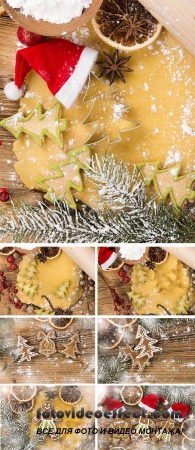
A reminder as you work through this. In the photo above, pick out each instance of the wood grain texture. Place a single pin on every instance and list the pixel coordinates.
(84, 306)
(105, 300)
(56, 369)
(8, 177)
(178, 16)
(175, 364)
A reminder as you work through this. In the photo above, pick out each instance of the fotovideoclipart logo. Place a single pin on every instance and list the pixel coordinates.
(49, 417)
(115, 414)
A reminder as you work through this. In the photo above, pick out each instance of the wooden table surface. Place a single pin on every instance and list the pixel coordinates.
(55, 369)
(84, 306)
(176, 362)
(105, 299)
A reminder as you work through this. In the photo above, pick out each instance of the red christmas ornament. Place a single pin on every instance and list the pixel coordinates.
(4, 195)
(10, 259)
(27, 38)
(126, 279)
(13, 266)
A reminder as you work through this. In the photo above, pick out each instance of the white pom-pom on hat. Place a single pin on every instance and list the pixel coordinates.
(12, 92)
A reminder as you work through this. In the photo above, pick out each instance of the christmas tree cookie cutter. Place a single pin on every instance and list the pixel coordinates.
(167, 182)
(38, 124)
(117, 110)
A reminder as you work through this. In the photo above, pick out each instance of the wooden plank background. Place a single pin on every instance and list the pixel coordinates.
(56, 369)
(84, 306)
(176, 362)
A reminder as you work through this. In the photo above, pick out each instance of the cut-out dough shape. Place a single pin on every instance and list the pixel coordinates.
(38, 124)
(168, 182)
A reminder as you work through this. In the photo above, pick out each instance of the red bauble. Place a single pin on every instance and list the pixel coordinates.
(10, 259)
(28, 38)
(126, 279)
(13, 266)
(4, 195)
(121, 273)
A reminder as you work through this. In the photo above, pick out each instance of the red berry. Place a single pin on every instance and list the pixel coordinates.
(1, 142)
(9, 284)
(10, 259)
(121, 273)
(1, 273)
(4, 195)
(15, 291)
(28, 38)
(126, 279)
(112, 290)
(3, 277)
(13, 266)
(128, 306)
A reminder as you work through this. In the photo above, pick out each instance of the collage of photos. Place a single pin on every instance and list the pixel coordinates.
(97, 225)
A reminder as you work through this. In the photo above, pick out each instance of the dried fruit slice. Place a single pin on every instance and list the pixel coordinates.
(157, 255)
(131, 395)
(125, 24)
(122, 323)
(16, 406)
(188, 429)
(70, 394)
(50, 252)
(187, 444)
(7, 251)
(60, 323)
(23, 393)
(109, 335)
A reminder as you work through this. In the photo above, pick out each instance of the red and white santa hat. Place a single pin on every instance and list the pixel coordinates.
(106, 257)
(184, 409)
(64, 66)
(150, 402)
(112, 403)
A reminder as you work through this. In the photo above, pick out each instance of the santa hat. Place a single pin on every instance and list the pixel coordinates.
(64, 66)
(150, 402)
(112, 403)
(184, 409)
(106, 257)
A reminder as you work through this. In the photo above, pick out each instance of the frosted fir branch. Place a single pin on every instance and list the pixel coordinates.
(149, 223)
(115, 185)
(112, 368)
(153, 325)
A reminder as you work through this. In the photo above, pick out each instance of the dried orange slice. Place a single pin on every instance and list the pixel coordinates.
(23, 393)
(187, 444)
(188, 429)
(125, 24)
(60, 323)
(131, 395)
(109, 335)
(16, 406)
(122, 323)
(70, 394)
(2, 10)
(6, 251)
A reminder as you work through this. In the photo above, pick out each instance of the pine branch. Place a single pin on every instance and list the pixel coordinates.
(126, 214)
(112, 368)
(15, 429)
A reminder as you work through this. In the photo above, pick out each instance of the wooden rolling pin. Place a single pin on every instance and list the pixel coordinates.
(84, 257)
(178, 16)
(184, 254)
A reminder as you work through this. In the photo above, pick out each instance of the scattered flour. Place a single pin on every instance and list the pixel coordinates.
(132, 253)
(53, 11)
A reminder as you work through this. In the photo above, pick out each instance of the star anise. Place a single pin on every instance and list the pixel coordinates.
(114, 66)
(150, 265)
(41, 257)
(133, 27)
(50, 394)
